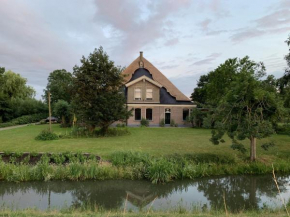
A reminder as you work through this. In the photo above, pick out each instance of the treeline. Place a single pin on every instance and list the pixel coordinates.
(17, 100)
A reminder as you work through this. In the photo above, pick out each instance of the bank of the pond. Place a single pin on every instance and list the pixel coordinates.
(156, 170)
(148, 213)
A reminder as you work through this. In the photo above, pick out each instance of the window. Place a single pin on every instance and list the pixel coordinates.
(149, 114)
(137, 114)
(137, 94)
(149, 94)
(185, 114)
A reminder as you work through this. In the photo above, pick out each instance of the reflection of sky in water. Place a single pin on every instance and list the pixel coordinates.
(241, 192)
(276, 201)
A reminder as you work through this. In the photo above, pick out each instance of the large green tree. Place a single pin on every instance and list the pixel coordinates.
(215, 84)
(199, 93)
(284, 81)
(248, 109)
(59, 84)
(98, 91)
(13, 88)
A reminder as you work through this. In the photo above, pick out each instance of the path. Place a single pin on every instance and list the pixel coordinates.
(13, 127)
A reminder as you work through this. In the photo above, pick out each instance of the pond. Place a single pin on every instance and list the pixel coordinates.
(241, 192)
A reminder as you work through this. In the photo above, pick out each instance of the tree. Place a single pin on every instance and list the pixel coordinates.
(284, 81)
(199, 93)
(98, 91)
(59, 84)
(248, 109)
(62, 109)
(215, 84)
(12, 87)
(196, 117)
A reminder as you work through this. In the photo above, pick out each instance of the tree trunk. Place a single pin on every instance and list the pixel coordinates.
(63, 121)
(253, 149)
(92, 128)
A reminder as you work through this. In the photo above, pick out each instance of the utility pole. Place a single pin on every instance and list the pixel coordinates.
(49, 111)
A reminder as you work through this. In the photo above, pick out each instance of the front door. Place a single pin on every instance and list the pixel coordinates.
(167, 118)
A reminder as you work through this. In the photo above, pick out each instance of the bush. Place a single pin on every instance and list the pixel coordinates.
(46, 135)
(161, 171)
(27, 119)
(172, 123)
(120, 125)
(162, 123)
(144, 122)
(283, 130)
(129, 158)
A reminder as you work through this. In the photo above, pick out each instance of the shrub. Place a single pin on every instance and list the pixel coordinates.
(144, 122)
(160, 171)
(46, 135)
(58, 158)
(26, 119)
(162, 123)
(172, 123)
(129, 158)
(175, 125)
(284, 129)
(120, 125)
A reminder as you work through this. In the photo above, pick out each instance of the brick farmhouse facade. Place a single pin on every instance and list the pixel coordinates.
(152, 96)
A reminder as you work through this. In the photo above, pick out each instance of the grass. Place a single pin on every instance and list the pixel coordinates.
(155, 141)
(169, 213)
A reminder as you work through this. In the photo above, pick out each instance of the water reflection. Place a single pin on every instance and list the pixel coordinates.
(241, 192)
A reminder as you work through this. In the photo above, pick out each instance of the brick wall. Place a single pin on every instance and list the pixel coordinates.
(158, 113)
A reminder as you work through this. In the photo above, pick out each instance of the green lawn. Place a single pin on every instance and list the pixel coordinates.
(156, 141)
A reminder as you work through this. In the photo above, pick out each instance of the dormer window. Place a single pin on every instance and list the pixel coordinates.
(149, 94)
(137, 94)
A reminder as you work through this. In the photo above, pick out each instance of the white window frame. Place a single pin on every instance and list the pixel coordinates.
(138, 99)
(149, 92)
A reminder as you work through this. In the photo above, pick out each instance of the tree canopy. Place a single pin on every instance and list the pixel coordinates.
(59, 84)
(248, 109)
(16, 97)
(98, 91)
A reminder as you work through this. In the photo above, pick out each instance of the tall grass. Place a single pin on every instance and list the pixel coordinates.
(131, 165)
(87, 210)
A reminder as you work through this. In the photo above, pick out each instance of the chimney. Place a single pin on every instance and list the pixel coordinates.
(141, 64)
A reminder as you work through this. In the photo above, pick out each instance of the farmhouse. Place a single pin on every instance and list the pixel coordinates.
(152, 96)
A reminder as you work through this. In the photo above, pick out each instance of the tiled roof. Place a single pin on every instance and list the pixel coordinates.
(157, 76)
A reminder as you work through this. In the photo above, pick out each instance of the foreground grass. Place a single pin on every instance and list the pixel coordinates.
(155, 141)
(149, 213)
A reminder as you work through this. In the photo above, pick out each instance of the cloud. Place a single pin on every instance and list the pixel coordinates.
(207, 60)
(216, 32)
(171, 42)
(204, 24)
(277, 21)
(169, 66)
(139, 23)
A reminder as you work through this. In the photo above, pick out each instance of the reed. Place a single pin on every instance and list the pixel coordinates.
(127, 166)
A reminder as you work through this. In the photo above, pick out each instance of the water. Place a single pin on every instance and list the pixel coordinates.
(241, 193)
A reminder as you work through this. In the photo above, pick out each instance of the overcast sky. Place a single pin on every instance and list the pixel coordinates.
(183, 39)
